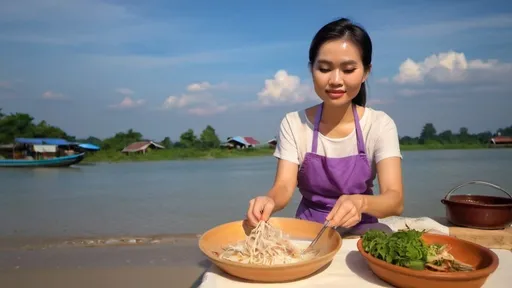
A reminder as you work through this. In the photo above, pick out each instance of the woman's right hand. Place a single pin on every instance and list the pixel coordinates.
(260, 209)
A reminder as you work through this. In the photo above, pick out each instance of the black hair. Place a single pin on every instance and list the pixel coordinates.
(344, 29)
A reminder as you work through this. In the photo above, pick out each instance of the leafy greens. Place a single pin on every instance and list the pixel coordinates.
(406, 248)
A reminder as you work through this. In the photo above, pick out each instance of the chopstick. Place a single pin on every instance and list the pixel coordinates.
(317, 236)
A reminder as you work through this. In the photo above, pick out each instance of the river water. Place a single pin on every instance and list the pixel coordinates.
(175, 197)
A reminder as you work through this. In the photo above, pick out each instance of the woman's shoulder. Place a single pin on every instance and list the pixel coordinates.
(378, 117)
(298, 117)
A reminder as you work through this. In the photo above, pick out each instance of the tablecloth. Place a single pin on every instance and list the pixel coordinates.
(350, 268)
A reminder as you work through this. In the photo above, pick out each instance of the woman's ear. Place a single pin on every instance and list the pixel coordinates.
(367, 73)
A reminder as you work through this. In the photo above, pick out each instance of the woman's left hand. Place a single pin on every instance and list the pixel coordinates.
(346, 212)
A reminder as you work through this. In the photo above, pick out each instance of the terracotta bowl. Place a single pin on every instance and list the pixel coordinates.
(485, 261)
(329, 243)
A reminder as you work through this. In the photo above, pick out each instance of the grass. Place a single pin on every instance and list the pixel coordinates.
(176, 154)
(191, 153)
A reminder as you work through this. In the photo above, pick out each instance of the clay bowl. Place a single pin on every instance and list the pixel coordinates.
(329, 243)
(485, 261)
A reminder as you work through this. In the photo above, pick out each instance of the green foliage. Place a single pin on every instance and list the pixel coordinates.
(430, 139)
(22, 125)
(209, 138)
(176, 154)
(403, 248)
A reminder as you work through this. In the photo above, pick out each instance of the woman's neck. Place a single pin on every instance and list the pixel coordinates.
(334, 115)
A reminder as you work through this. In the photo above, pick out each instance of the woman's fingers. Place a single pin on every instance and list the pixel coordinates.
(267, 210)
(253, 220)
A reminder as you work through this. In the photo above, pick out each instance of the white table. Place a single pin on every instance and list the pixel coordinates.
(349, 268)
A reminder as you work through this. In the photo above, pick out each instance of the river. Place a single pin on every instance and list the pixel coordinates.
(175, 197)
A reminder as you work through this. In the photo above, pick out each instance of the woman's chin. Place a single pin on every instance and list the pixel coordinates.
(336, 102)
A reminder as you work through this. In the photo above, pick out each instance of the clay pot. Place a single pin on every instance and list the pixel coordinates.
(477, 211)
(485, 261)
(329, 243)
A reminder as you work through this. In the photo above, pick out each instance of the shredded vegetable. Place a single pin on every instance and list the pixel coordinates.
(266, 245)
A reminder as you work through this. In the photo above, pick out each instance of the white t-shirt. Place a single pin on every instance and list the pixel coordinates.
(379, 132)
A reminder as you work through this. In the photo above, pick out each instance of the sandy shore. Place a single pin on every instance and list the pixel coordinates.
(168, 261)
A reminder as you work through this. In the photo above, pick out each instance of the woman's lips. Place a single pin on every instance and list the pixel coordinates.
(335, 94)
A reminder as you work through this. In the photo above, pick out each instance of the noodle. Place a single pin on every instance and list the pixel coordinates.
(265, 246)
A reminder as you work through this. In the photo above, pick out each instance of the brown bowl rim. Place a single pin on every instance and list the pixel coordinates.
(323, 258)
(426, 274)
(448, 202)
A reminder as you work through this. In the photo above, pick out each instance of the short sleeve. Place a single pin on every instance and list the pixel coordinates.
(387, 144)
(286, 147)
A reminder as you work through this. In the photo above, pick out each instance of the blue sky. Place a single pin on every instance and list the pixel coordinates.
(160, 67)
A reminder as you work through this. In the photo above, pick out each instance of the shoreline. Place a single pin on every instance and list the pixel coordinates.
(112, 157)
(10, 243)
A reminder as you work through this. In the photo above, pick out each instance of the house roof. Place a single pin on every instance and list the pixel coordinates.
(245, 140)
(251, 141)
(502, 139)
(142, 145)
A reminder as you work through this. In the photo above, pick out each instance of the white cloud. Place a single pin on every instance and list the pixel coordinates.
(194, 87)
(452, 67)
(203, 86)
(195, 104)
(128, 102)
(51, 95)
(284, 88)
(124, 91)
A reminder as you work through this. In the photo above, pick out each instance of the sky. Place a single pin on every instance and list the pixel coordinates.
(97, 67)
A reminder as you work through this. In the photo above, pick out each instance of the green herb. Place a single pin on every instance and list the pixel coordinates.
(406, 248)
(402, 248)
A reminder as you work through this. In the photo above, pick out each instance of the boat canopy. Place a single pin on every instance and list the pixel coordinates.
(89, 146)
(42, 141)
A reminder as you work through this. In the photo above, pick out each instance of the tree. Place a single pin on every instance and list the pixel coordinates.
(446, 137)
(188, 139)
(209, 138)
(428, 133)
(167, 143)
(121, 140)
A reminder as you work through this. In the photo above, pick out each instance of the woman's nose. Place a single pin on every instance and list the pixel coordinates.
(336, 78)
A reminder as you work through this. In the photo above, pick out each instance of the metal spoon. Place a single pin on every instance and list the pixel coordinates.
(317, 237)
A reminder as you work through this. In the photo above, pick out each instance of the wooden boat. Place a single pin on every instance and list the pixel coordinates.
(64, 161)
(40, 152)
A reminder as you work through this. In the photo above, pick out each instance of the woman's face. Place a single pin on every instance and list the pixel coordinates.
(338, 72)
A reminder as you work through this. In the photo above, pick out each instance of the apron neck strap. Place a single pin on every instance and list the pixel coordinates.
(318, 117)
(359, 133)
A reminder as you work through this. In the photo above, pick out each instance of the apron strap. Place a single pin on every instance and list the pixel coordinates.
(318, 117)
(359, 133)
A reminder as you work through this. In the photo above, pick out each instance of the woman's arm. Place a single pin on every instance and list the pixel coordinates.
(287, 153)
(388, 158)
(284, 184)
(390, 201)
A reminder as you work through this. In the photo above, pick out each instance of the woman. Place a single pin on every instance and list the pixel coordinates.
(332, 151)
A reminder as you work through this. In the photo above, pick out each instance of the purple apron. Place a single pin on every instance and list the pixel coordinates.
(322, 180)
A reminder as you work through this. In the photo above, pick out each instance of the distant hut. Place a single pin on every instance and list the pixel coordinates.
(240, 142)
(500, 141)
(272, 143)
(141, 147)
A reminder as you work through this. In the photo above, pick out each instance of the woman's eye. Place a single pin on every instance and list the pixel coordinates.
(348, 71)
(323, 70)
